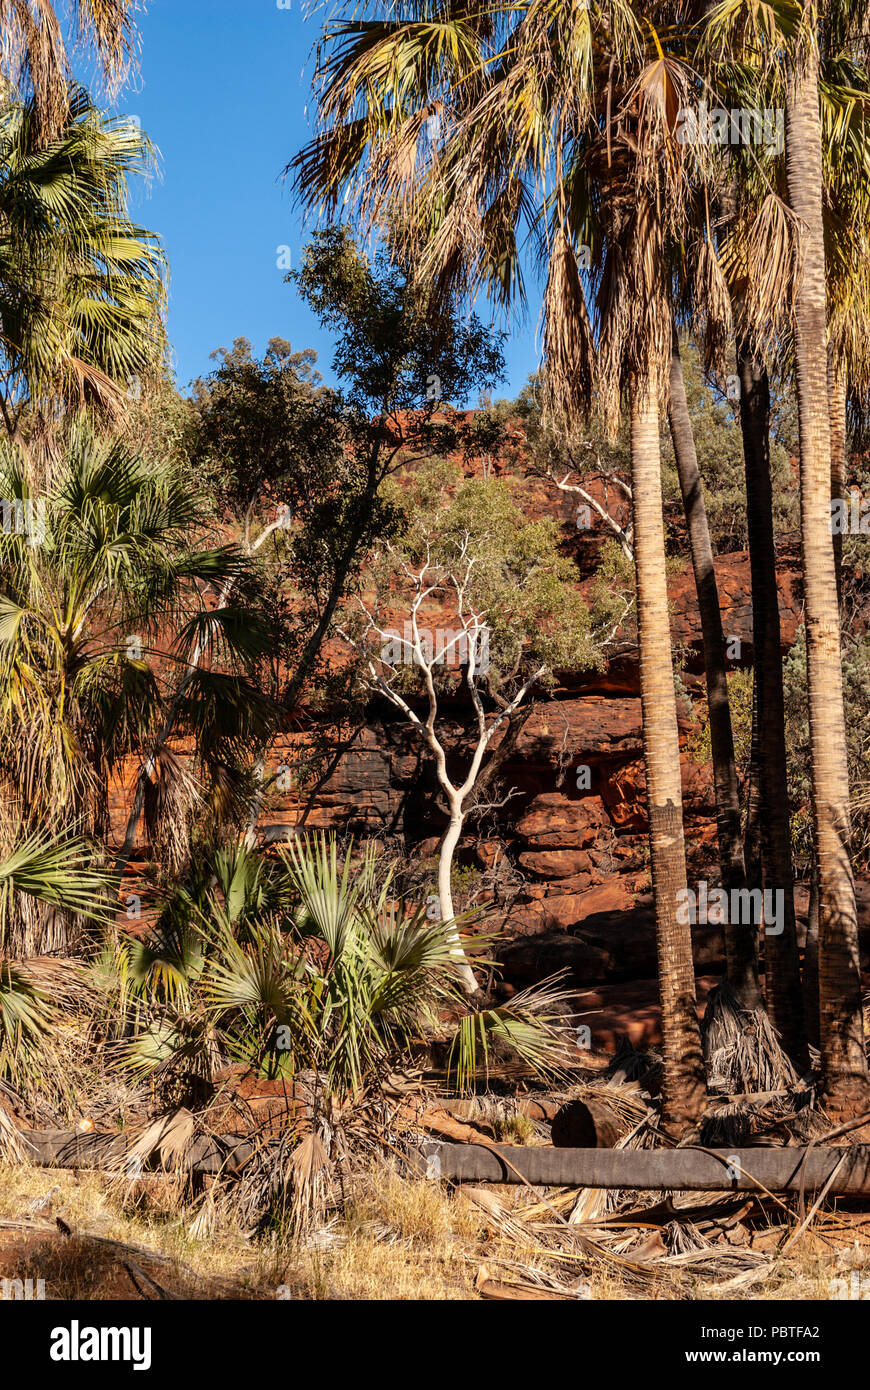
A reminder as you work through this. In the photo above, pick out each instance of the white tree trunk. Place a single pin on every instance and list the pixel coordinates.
(445, 895)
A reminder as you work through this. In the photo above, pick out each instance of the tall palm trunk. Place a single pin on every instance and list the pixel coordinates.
(837, 418)
(810, 975)
(740, 939)
(752, 832)
(683, 1084)
(782, 962)
(844, 1064)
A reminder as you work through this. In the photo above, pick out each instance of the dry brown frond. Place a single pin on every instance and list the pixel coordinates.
(762, 259)
(711, 303)
(169, 803)
(743, 1052)
(310, 1174)
(35, 56)
(633, 306)
(568, 346)
(170, 1136)
(12, 1149)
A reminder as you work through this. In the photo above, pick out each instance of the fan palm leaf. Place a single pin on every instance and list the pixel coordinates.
(81, 286)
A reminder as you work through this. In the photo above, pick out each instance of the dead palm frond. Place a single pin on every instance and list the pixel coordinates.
(170, 1137)
(742, 1049)
(37, 44)
(13, 1148)
(568, 344)
(285, 1182)
(761, 260)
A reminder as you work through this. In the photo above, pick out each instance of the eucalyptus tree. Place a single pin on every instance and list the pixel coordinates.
(308, 466)
(517, 618)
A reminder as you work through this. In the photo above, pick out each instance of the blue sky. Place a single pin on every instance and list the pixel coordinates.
(222, 92)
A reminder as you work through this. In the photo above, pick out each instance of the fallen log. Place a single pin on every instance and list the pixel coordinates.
(493, 1291)
(60, 1148)
(586, 1124)
(656, 1170)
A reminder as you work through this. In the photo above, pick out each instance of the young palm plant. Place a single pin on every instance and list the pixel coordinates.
(59, 874)
(306, 964)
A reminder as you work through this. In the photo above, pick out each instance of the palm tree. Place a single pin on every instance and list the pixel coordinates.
(59, 874)
(451, 119)
(845, 1080)
(755, 251)
(311, 962)
(845, 103)
(683, 1069)
(762, 254)
(81, 286)
(100, 568)
(741, 950)
(35, 52)
(782, 970)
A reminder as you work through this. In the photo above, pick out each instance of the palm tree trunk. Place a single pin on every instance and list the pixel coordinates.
(740, 940)
(837, 415)
(844, 1063)
(752, 832)
(683, 1082)
(782, 961)
(810, 975)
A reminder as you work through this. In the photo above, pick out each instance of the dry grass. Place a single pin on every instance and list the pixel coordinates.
(397, 1238)
(143, 1214)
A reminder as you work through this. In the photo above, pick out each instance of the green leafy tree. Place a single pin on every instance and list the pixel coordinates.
(306, 465)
